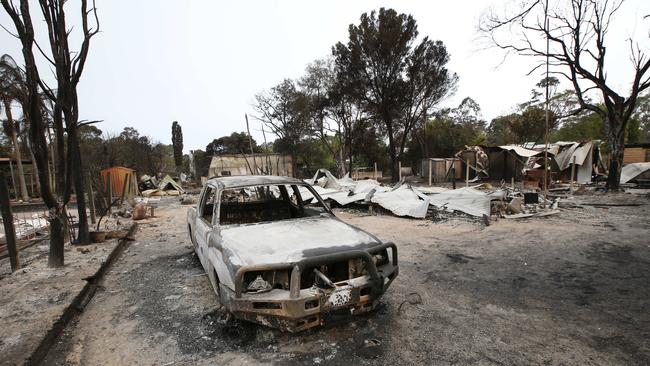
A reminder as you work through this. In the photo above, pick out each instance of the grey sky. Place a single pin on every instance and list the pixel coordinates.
(201, 62)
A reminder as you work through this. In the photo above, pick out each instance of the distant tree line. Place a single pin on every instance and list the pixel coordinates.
(376, 100)
(128, 149)
(367, 98)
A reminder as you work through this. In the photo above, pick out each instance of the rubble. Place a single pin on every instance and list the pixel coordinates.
(468, 200)
(139, 211)
(631, 172)
(187, 200)
(147, 183)
(166, 187)
(479, 201)
(403, 200)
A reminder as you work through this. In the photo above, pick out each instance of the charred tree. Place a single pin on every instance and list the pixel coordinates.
(69, 66)
(576, 34)
(37, 127)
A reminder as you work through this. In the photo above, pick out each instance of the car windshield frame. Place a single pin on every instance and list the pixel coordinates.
(221, 189)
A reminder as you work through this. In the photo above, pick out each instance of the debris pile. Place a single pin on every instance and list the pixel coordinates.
(479, 201)
(26, 225)
(147, 183)
(166, 187)
(637, 174)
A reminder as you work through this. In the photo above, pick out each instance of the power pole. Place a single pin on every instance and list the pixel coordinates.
(269, 166)
(546, 109)
(250, 142)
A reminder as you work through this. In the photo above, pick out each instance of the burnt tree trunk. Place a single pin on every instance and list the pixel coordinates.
(61, 166)
(38, 127)
(58, 224)
(294, 157)
(74, 164)
(616, 137)
(17, 155)
(78, 179)
(8, 223)
(394, 174)
(37, 180)
(350, 154)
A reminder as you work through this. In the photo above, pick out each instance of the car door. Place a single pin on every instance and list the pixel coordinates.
(204, 222)
(214, 252)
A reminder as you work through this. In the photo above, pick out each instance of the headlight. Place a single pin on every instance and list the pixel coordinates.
(259, 285)
(262, 281)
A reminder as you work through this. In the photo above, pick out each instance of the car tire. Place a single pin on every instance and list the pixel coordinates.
(189, 230)
(217, 285)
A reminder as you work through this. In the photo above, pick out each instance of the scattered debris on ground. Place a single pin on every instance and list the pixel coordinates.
(480, 202)
(167, 186)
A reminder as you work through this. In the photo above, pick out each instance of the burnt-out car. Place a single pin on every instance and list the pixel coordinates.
(276, 254)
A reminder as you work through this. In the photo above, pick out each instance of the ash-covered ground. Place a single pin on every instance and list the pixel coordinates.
(566, 289)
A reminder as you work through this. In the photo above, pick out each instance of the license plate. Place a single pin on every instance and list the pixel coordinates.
(341, 297)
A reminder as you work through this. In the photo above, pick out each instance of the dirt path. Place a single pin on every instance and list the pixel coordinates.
(567, 289)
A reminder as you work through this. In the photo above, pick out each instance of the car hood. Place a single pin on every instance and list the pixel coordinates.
(290, 241)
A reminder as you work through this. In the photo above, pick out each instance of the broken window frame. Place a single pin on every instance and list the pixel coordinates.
(203, 201)
(216, 218)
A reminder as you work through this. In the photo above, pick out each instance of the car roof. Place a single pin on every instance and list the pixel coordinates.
(252, 180)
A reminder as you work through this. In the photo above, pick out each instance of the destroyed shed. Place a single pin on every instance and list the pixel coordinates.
(441, 169)
(167, 186)
(167, 183)
(120, 181)
(508, 162)
(585, 155)
(516, 162)
(248, 164)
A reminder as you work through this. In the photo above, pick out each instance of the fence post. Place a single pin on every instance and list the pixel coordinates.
(467, 174)
(13, 180)
(91, 199)
(429, 171)
(573, 171)
(127, 178)
(375, 173)
(109, 189)
(399, 168)
(8, 221)
(453, 176)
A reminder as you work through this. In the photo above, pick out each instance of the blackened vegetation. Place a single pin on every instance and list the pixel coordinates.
(68, 66)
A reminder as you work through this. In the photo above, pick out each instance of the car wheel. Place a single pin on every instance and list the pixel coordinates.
(189, 230)
(217, 287)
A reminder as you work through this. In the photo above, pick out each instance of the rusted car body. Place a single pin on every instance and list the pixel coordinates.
(275, 254)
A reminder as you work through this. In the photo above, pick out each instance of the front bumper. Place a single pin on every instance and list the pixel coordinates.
(299, 309)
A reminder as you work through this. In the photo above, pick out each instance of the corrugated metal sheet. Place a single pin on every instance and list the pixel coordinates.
(118, 176)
